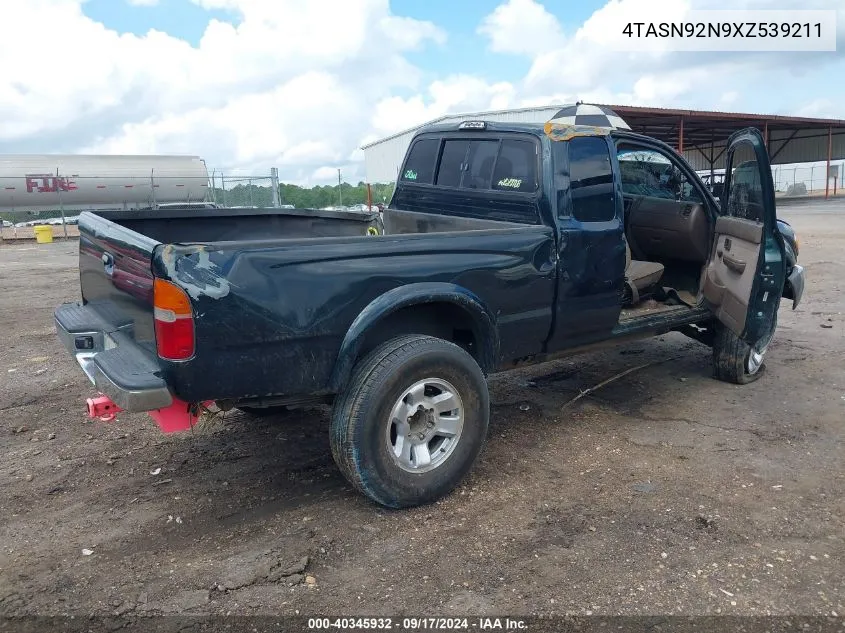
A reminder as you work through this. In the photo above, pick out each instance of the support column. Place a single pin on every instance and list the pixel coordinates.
(62, 206)
(681, 136)
(827, 168)
(712, 160)
(274, 183)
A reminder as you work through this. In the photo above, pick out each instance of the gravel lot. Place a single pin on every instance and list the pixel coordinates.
(11, 234)
(664, 492)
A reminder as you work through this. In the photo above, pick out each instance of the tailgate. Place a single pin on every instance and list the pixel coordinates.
(115, 273)
(111, 332)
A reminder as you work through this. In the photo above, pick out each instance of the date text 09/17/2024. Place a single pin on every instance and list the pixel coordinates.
(419, 624)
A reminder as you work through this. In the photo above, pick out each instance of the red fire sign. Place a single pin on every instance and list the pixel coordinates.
(48, 183)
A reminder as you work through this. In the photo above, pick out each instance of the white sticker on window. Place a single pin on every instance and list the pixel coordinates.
(510, 183)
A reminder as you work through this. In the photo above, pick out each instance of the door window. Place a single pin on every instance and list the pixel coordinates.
(745, 198)
(419, 168)
(591, 180)
(647, 172)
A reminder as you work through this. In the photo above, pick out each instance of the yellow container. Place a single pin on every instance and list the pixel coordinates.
(43, 234)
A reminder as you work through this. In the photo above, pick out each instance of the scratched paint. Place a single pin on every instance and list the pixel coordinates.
(560, 132)
(195, 272)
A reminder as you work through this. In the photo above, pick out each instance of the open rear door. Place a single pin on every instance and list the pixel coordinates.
(746, 269)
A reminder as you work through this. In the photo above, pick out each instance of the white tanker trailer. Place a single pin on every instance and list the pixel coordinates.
(75, 182)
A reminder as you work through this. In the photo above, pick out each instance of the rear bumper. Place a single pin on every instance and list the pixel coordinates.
(112, 360)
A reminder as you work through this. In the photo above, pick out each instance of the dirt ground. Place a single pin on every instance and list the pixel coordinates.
(664, 492)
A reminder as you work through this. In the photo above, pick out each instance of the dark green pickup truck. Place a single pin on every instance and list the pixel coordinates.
(504, 244)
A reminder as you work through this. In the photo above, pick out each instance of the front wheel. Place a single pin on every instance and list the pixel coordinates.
(411, 422)
(736, 361)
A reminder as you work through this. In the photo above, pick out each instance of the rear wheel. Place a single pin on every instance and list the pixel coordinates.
(412, 421)
(734, 360)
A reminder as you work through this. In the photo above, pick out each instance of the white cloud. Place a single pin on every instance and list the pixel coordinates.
(822, 108)
(729, 97)
(325, 174)
(301, 84)
(522, 27)
(143, 3)
(291, 83)
(456, 93)
(588, 64)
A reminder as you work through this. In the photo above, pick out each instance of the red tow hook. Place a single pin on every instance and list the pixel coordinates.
(178, 416)
(102, 408)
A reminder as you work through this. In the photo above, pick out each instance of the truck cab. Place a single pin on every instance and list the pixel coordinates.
(639, 241)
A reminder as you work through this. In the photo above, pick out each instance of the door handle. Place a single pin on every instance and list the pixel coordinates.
(736, 265)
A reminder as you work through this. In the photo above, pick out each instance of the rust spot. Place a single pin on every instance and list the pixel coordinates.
(560, 132)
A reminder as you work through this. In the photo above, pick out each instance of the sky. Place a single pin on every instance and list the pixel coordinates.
(301, 84)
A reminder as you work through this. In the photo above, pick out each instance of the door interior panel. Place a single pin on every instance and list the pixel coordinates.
(660, 228)
(730, 274)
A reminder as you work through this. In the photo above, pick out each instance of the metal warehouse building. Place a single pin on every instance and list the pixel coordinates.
(701, 136)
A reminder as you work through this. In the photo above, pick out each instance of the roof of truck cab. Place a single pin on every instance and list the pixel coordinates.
(494, 126)
(554, 131)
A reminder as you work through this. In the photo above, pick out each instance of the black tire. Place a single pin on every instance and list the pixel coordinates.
(731, 357)
(360, 425)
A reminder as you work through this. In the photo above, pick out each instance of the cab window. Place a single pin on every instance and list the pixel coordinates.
(484, 164)
(647, 172)
(452, 163)
(419, 167)
(479, 164)
(516, 166)
(466, 169)
(591, 179)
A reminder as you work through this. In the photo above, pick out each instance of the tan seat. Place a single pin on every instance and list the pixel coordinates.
(639, 274)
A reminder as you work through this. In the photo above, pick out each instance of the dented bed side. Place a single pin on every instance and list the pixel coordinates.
(271, 315)
(271, 318)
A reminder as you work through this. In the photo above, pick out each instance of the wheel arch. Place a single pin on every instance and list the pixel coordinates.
(431, 307)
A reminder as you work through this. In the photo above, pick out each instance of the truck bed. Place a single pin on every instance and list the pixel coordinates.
(233, 225)
(275, 292)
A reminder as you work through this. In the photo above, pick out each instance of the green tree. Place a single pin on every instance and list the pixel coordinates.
(302, 197)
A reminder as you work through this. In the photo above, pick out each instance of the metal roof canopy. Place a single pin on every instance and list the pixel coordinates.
(701, 136)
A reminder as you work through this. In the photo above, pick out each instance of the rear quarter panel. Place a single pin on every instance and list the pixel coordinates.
(270, 318)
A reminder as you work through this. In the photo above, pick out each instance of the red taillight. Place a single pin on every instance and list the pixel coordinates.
(174, 321)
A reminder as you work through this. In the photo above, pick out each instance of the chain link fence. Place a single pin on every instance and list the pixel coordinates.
(243, 191)
(813, 180)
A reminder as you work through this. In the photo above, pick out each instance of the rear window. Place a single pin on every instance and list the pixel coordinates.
(467, 169)
(507, 165)
(452, 163)
(480, 163)
(485, 163)
(516, 167)
(419, 167)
